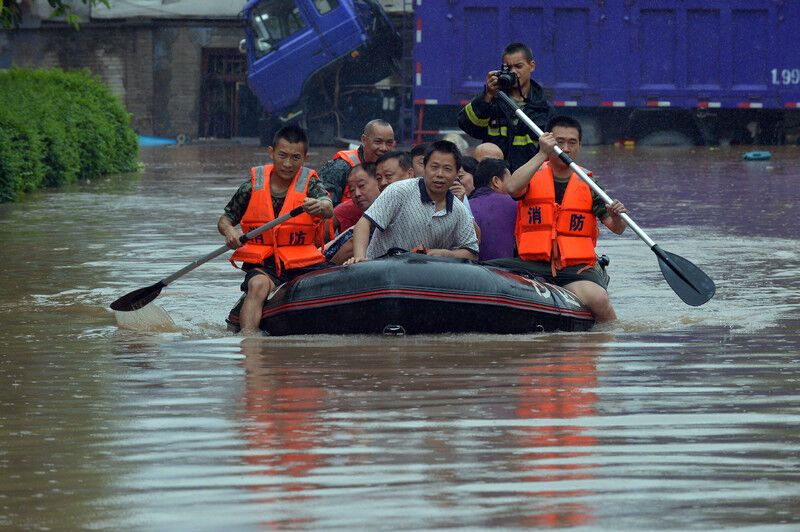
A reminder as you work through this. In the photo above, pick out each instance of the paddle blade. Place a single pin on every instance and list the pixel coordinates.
(691, 283)
(138, 298)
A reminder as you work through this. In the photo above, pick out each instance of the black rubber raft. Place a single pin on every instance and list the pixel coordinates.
(411, 293)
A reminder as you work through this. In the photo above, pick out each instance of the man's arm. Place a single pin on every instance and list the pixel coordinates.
(457, 253)
(229, 231)
(318, 203)
(465, 240)
(473, 118)
(517, 185)
(613, 221)
(227, 225)
(360, 240)
(321, 208)
(333, 176)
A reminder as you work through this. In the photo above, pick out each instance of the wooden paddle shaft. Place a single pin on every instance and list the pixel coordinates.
(577, 169)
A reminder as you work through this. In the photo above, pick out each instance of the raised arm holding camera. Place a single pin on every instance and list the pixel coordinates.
(489, 120)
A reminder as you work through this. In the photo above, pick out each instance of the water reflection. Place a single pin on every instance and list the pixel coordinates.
(559, 388)
(317, 421)
(673, 417)
(282, 421)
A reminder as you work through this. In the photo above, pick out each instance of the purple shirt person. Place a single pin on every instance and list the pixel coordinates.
(495, 211)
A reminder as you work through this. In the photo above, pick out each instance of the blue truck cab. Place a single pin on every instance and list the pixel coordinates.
(301, 53)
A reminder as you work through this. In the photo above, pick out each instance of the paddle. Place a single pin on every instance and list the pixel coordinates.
(691, 283)
(141, 297)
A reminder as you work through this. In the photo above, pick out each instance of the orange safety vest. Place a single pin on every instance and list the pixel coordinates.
(292, 242)
(563, 235)
(351, 158)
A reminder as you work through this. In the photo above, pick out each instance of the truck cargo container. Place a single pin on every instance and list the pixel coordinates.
(653, 70)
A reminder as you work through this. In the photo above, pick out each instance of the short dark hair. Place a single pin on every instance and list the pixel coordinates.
(403, 159)
(369, 168)
(469, 164)
(443, 146)
(564, 121)
(515, 47)
(418, 149)
(487, 169)
(291, 134)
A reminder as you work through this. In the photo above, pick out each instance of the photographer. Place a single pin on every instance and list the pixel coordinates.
(489, 120)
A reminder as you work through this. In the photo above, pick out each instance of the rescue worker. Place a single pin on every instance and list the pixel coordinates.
(291, 248)
(488, 119)
(377, 139)
(556, 229)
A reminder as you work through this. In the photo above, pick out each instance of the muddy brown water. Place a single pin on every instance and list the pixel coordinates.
(674, 417)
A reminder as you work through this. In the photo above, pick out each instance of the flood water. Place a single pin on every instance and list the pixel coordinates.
(674, 417)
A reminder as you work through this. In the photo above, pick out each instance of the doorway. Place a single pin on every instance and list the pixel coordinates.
(228, 107)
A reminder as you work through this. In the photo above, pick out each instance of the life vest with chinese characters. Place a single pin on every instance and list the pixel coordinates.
(292, 242)
(351, 158)
(563, 235)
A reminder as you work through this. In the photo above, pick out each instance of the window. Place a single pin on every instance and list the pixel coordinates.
(274, 20)
(324, 6)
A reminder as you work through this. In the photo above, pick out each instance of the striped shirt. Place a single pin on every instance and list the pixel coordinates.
(407, 217)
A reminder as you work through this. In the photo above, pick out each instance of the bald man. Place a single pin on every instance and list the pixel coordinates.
(377, 139)
(487, 150)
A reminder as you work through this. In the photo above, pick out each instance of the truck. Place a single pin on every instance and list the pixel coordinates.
(313, 61)
(652, 71)
(648, 71)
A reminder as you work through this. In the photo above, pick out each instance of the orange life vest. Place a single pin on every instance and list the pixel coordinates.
(292, 242)
(351, 158)
(563, 235)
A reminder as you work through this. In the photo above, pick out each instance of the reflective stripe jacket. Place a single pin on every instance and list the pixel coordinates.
(292, 242)
(565, 234)
(495, 122)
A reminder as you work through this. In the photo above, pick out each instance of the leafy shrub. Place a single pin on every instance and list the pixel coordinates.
(57, 127)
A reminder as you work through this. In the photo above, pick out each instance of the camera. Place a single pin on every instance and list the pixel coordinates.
(506, 78)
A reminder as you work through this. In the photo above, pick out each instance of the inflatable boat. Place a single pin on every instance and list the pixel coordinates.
(410, 293)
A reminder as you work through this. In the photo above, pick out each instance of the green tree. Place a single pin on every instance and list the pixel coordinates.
(11, 11)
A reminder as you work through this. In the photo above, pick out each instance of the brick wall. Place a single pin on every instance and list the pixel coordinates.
(153, 67)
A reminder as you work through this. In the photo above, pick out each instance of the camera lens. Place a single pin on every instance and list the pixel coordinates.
(506, 78)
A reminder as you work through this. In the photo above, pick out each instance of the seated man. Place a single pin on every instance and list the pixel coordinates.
(556, 229)
(494, 210)
(419, 212)
(377, 139)
(393, 166)
(363, 186)
(288, 250)
(363, 182)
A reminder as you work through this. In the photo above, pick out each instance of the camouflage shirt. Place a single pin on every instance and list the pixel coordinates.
(334, 174)
(237, 206)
